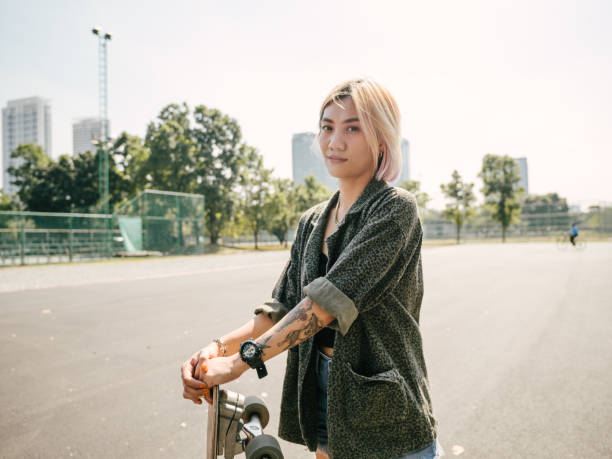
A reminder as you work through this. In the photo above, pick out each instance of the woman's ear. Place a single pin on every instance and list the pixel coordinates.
(382, 147)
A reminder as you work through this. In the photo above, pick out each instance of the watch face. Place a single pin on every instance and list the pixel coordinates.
(249, 351)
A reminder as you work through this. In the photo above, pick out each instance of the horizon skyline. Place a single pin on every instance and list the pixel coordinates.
(540, 94)
(479, 194)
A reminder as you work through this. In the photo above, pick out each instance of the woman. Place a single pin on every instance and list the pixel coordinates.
(347, 304)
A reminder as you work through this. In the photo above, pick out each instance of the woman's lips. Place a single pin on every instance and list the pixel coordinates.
(334, 159)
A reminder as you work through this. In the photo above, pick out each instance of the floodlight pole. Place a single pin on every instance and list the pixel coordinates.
(103, 38)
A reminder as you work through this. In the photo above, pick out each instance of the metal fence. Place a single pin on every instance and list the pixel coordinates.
(173, 223)
(163, 221)
(153, 222)
(40, 237)
(595, 223)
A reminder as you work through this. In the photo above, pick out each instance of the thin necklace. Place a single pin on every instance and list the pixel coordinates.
(336, 212)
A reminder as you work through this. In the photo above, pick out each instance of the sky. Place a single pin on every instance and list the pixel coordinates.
(523, 78)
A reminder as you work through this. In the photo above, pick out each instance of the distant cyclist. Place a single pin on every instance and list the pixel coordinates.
(573, 234)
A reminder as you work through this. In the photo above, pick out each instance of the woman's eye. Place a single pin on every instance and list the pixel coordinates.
(352, 129)
(325, 128)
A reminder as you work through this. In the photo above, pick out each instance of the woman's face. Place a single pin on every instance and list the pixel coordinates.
(343, 143)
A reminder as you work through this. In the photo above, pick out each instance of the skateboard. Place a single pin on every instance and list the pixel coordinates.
(230, 415)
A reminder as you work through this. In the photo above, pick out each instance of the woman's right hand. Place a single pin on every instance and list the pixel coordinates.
(191, 372)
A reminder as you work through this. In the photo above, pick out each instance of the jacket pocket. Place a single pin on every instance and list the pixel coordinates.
(375, 400)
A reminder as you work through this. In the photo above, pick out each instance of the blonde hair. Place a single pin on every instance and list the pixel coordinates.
(380, 120)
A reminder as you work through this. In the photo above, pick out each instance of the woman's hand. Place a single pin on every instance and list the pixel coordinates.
(209, 352)
(221, 370)
(193, 388)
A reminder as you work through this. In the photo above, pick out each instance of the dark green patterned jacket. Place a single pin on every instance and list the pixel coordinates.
(378, 394)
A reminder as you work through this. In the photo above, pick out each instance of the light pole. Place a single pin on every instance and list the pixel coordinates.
(103, 38)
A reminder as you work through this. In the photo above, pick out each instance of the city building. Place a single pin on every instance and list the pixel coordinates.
(524, 182)
(405, 173)
(25, 120)
(308, 161)
(84, 131)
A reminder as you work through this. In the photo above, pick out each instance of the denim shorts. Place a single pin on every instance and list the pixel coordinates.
(323, 365)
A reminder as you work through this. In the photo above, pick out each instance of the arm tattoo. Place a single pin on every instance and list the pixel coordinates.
(303, 317)
(299, 313)
(264, 343)
(297, 336)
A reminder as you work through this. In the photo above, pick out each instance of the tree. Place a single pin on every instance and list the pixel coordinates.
(87, 192)
(599, 218)
(29, 170)
(289, 200)
(43, 184)
(219, 155)
(8, 201)
(310, 194)
(170, 165)
(86, 183)
(544, 203)
(460, 209)
(255, 191)
(281, 209)
(131, 157)
(414, 187)
(543, 212)
(201, 157)
(500, 175)
(63, 185)
(482, 220)
(53, 193)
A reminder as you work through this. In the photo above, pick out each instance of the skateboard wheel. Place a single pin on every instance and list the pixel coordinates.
(255, 405)
(264, 447)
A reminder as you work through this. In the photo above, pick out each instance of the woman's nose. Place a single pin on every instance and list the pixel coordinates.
(336, 142)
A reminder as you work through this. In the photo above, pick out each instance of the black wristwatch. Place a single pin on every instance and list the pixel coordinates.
(250, 353)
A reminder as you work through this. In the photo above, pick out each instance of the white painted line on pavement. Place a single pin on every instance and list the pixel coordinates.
(110, 280)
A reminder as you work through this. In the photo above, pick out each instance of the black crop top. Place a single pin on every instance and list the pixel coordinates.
(325, 337)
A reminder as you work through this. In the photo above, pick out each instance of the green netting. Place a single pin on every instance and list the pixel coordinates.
(39, 237)
(170, 222)
(154, 222)
(131, 232)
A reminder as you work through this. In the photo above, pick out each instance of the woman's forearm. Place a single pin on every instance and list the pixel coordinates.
(299, 324)
(254, 328)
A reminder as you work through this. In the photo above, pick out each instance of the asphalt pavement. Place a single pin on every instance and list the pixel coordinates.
(517, 338)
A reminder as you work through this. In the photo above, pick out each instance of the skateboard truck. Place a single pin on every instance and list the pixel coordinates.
(232, 413)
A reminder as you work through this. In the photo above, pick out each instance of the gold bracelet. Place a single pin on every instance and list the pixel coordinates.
(221, 346)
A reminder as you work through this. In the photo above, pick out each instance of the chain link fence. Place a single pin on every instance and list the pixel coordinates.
(163, 221)
(154, 222)
(596, 223)
(167, 223)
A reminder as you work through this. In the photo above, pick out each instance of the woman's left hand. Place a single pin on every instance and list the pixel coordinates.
(220, 370)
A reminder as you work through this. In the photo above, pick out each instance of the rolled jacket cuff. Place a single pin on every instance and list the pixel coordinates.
(334, 301)
(273, 309)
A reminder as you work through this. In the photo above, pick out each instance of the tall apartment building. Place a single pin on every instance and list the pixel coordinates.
(522, 165)
(308, 161)
(405, 173)
(25, 120)
(84, 131)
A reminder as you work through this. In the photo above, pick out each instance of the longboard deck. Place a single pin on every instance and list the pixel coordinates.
(212, 429)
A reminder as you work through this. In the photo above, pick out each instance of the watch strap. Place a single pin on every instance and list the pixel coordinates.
(255, 362)
(262, 371)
